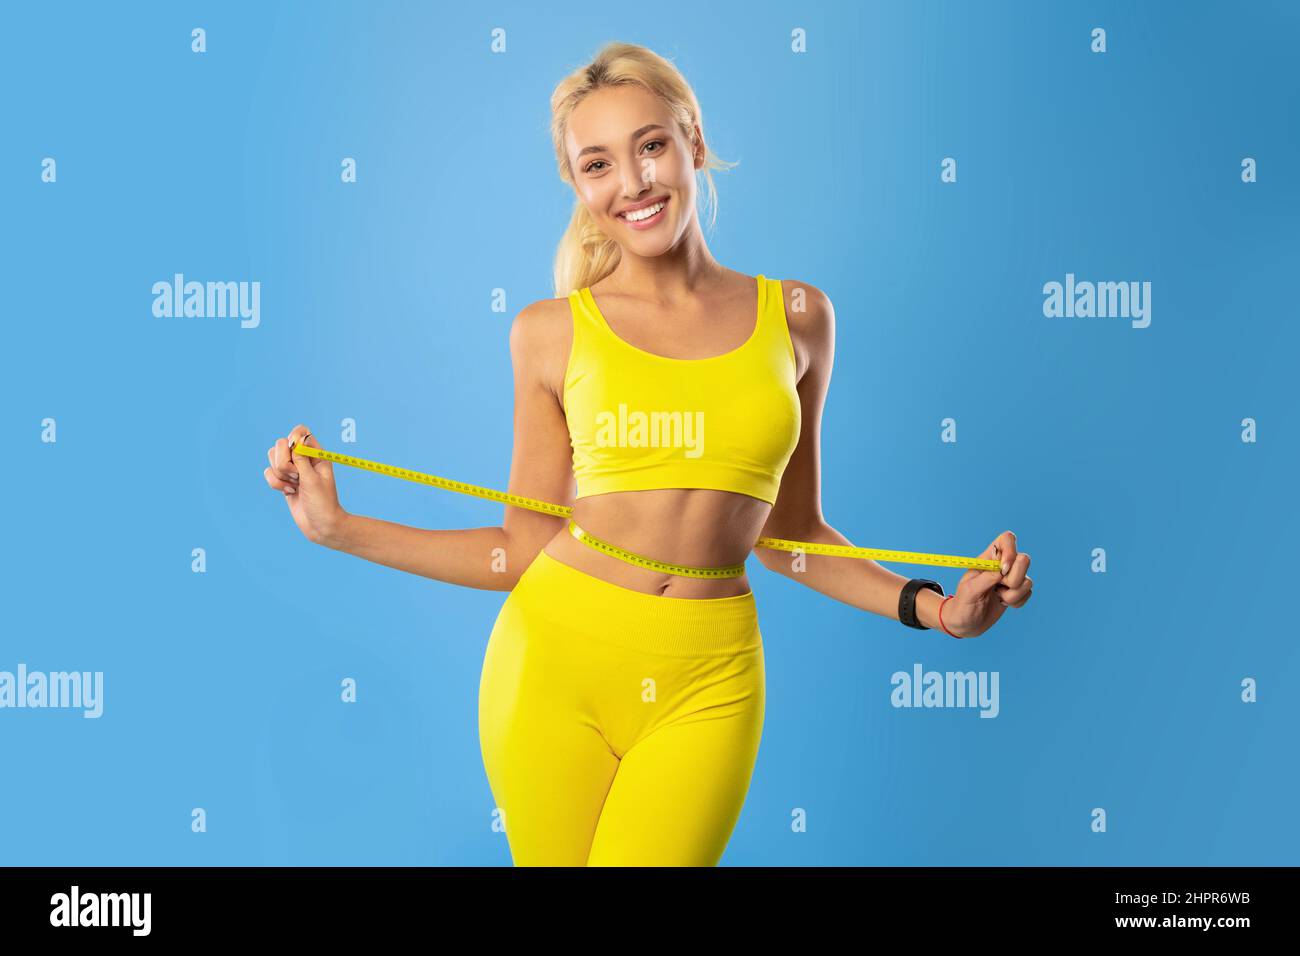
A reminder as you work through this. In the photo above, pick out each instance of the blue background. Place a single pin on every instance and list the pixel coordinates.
(1118, 690)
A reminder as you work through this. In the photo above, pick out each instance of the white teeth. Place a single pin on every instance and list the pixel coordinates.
(638, 214)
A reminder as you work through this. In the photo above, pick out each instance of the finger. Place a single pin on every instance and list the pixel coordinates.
(276, 483)
(323, 466)
(1010, 596)
(1006, 545)
(312, 470)
(270, 455)
(294, 464)
(983, 582)
(1018, 568)
(280, 463)
(1025, 595)
(1015, 597)
(296, 436)
(980, 581)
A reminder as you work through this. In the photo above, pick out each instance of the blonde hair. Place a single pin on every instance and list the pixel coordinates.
(586, 255)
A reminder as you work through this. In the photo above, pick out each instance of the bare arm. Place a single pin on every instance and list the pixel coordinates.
(491, 558)
(797, 513)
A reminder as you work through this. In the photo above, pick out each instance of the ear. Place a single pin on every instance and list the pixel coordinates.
(697, 145)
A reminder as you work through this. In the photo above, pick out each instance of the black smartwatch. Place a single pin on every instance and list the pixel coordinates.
(907, 601)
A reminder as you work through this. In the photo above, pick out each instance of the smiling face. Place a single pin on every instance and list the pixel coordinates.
(632, 168)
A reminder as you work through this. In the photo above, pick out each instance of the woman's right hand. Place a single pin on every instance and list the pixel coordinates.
(308, 486)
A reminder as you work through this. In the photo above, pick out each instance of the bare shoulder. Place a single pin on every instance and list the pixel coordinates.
(806, 305)
(811, 318)
(541, 336)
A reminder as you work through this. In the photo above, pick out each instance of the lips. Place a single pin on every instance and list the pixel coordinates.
(648, 222)
(640, 206)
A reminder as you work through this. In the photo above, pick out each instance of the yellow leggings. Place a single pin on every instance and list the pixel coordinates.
(619, 728)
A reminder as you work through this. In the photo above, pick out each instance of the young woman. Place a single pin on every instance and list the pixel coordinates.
(620, 707)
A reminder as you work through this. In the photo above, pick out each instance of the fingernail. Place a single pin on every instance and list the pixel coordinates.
(291, 491)
(293, 475)
(1005, 567)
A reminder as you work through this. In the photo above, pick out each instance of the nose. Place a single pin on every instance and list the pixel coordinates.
(638, 179)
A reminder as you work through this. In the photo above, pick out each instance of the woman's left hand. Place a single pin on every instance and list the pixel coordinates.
(982, 596)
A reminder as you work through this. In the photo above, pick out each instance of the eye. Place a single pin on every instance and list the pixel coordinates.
(590, 167)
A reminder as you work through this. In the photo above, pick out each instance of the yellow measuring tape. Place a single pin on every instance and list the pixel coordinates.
(564, 511)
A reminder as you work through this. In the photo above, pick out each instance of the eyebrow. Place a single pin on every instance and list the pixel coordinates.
(636, 135)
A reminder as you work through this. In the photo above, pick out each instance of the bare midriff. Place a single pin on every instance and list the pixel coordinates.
(698, 527)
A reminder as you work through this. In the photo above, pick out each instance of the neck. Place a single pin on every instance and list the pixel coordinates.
(676, 274)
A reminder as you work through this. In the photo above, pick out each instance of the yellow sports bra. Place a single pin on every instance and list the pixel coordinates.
(639, 420)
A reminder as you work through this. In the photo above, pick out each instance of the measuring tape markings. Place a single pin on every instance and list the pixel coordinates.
(565, 511)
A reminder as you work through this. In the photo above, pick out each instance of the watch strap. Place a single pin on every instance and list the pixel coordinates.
(907, 601)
